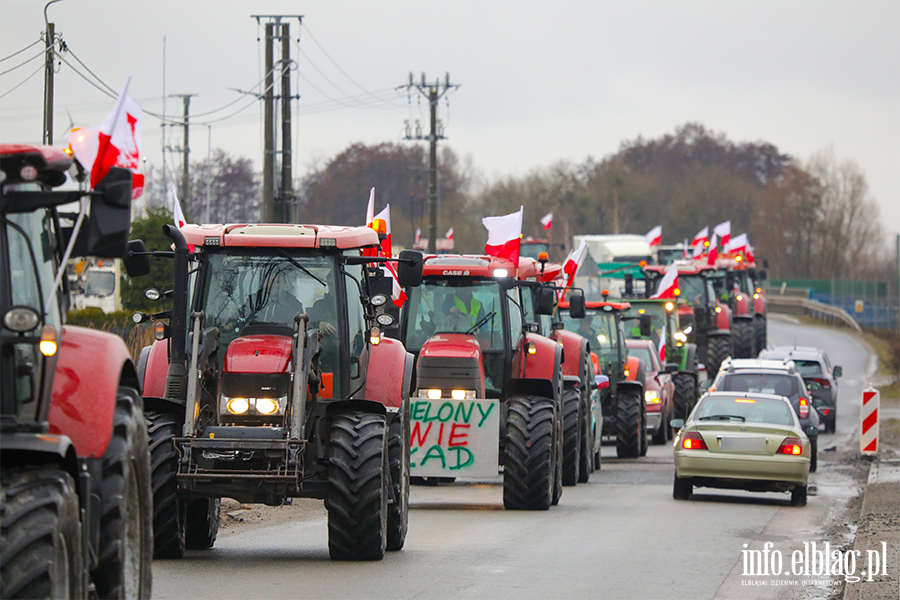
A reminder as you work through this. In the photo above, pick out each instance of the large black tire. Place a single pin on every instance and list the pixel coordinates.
(629, 425)
(798, 496)
(571, 436)
(201, 523)
(814, 455)
(682, 488)
(759, 324)
(585, 453)
(40, 543)
(719, 350)
(358, 477)
(661, 436)
(168, 509)
(528, 470)
(398, 462)
(126, 521)
(685, 395)
(743, 335)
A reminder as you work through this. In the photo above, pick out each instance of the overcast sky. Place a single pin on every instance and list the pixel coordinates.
(540, 81)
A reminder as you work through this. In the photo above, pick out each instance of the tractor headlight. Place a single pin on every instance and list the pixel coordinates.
(433, 394)
(266, 406)
(254, 406)
(679, 335)
(652, 397)
(237, 406)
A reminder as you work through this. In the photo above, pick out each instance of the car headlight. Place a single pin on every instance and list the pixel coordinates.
(652, 397)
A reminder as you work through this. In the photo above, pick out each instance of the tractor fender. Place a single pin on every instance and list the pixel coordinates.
(630, 385)
(90, 367)
(388, 373)
(571, 381)
(367, 406)
(532, 387)
(741, 306)
(723, 317)
(635, 368)
(34, 448)
(543, 363)
(759, 305)
(690, 365)
(574, 347)
(153, 367)
(719, 332)
(747, 317)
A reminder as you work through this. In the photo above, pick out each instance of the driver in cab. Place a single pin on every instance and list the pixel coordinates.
(464, 310)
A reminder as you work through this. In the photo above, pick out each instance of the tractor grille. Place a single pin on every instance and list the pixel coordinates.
(448, 372)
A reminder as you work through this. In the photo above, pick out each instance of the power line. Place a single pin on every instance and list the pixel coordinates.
(22, 64)
(11, 90)
(37, 41)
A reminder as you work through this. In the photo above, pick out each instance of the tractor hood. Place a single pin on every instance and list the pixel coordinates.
(451, 361)
(259, 354)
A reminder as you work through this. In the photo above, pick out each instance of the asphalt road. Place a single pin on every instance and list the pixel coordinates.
(619, 536)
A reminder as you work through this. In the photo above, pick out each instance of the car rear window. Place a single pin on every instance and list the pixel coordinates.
(753, 410)
(808, 367)
(761, 383)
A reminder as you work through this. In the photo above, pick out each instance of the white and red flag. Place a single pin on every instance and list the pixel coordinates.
(573, 261)
(382, 223)
(668, 284)
(178, 215)
(749, 253)
(654, 236)
(723, 230)
(684, 248)
(697, 251)
(370, 208)
(547, 221)
(713, 255)
(449, 234)
(418, 236)
(117, 143)
(662, 346)
(504, 235)
(700, 237)
(739, 243)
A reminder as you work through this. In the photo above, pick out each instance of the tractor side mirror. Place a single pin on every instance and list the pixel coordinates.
(546, 301)
(105, 234)
(629, 285)
(136, 263)
(671, 368)
(646, 326)
(409, 269)
(837, 372)
(812, 431)
(763, 275)
(729, 280)
(576, 305)
(601, 381)
(766, 263)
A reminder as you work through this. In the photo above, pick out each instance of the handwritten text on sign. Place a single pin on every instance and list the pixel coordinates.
(454, 438)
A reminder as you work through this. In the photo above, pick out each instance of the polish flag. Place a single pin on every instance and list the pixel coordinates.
(723, 230)
(684, 248)
(504, 235)
(713, 251)
(370, 222)
(700, 237)
(654, 236)
(749, 253)
(739, 243)
(547, 220)
(178, 215)
(383, 221)
(668, 284)
(117, 143)
(698, 251)
(449, 234)
(573, 261)
(418, 236)
(662, 345)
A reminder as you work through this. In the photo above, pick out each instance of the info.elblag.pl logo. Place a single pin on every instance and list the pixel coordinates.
(815, 560)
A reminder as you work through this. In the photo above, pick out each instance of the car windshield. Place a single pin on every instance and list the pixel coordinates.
(455, 305)
(745, 409)
(643, 353)
(599, 328)
(761, 383)
(243, 289)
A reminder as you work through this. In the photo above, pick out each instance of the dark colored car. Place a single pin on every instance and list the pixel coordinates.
(820, 377)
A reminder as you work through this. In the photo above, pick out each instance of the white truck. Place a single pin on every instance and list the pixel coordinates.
(102, 286)
(613, 256)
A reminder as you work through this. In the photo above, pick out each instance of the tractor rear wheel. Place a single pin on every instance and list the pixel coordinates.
(358, 475)
(719, 350)
(398, 461)
(126, 520)
(685, 395)
(571, 436)
(168, 509)
(528, 472)
(629, 425)
(41, 537)
(759, 324)
(201, 523)
(743, 334)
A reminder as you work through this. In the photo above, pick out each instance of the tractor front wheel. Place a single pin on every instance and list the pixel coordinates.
(168, 510)
(201, 523)
(571, 436)
(685, 395)
(398, 460)
(743, 332)
(528, 472)
(719, 350)
(629, 425)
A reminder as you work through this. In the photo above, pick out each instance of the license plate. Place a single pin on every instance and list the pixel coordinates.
(742, 444)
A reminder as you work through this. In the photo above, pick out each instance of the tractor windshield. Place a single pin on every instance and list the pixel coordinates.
(696, 289)
(455, 305)
(599, 328)
(243, 289)
(532, 249)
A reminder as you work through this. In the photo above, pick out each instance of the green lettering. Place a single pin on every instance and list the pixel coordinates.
(426, 418)
(470, 458)
(435, 452)
(418, 409)
(411, 452)
(484, 415)
(440, 412)
(461, 414)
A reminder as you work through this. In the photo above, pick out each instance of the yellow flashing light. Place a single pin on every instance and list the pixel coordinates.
(745, 400)
(48, 341)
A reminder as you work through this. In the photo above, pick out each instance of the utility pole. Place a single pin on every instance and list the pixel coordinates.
(433, 92)
(48, 84)
(185, 149)
(280, 210)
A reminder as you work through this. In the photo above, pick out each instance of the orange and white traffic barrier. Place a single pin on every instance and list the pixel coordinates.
(868, 418)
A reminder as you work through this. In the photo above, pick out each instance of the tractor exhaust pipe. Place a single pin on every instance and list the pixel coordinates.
(176, 378)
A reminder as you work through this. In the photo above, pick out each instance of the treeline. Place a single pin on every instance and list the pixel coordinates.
(811, 218)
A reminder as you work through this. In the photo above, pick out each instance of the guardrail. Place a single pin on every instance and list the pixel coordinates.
(794, 305)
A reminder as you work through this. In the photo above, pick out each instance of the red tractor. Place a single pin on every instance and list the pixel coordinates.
(490, 391)
(282, 386)
(75, 496)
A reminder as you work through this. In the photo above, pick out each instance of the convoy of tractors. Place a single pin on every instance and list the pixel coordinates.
(280, 368)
